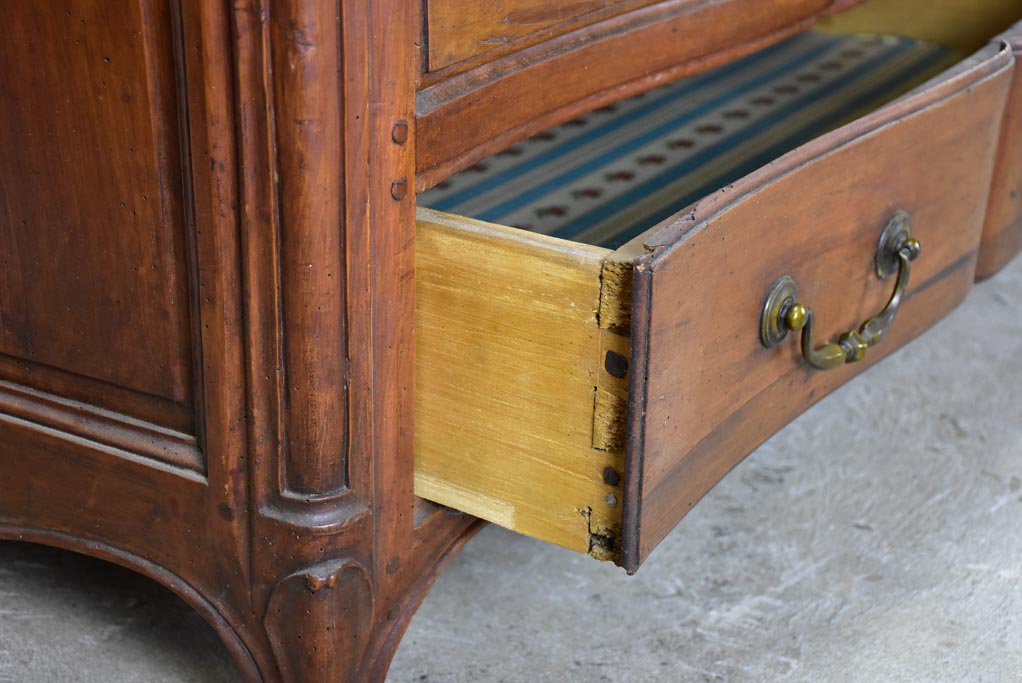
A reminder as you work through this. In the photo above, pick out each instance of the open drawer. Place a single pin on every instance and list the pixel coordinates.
(589, 396)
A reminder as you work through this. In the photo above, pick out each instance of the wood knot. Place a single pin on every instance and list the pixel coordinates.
(399, 133)
(399, 188)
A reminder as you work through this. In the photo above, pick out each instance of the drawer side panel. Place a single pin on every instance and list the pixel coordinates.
(508, 380)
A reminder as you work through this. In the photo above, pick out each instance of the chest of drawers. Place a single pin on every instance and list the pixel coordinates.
(235, 347)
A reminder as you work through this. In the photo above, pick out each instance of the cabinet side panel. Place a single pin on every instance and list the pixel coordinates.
(93, 229)
(460, 30)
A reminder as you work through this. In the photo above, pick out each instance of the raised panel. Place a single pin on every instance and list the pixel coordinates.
(94, 243)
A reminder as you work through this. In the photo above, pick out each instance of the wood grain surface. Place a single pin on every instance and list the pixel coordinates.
(1002, 231)
(509, 360)
(94, 236)
(457, 30)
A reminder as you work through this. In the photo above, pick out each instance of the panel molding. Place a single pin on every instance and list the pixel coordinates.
(97, 394)
(100, 426)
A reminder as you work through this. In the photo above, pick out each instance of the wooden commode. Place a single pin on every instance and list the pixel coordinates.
(295, 296)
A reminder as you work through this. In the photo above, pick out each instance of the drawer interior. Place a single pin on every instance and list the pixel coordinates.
(606, 177)
(523, 265)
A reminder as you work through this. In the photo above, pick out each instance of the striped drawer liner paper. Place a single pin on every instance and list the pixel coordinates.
(605, 177)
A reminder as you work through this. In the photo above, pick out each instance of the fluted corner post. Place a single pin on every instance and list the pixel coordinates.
(326, 102)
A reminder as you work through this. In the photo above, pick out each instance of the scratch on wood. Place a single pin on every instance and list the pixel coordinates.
(609, 414)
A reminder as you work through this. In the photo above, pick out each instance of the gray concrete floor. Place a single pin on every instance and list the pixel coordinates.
(877, 538)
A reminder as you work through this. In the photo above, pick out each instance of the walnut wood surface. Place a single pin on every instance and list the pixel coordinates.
(1002, 231)
(712, 392)
(960, 24)
(207, 304)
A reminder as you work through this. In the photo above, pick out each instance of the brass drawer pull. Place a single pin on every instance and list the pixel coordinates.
(782, 311)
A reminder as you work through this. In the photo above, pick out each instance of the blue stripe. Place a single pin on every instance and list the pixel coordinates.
(695, 161)
(895, 82)
(690, 86)
(495, 212)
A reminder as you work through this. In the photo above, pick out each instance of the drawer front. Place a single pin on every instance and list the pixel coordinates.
(712, 391)
(1002, 232)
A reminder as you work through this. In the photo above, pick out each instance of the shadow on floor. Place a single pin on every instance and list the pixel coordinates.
(66, 616)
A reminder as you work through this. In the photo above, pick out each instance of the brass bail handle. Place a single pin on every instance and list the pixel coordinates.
(783, 313)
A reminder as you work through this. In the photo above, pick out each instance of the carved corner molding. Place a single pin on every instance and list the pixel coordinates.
(319, 622)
